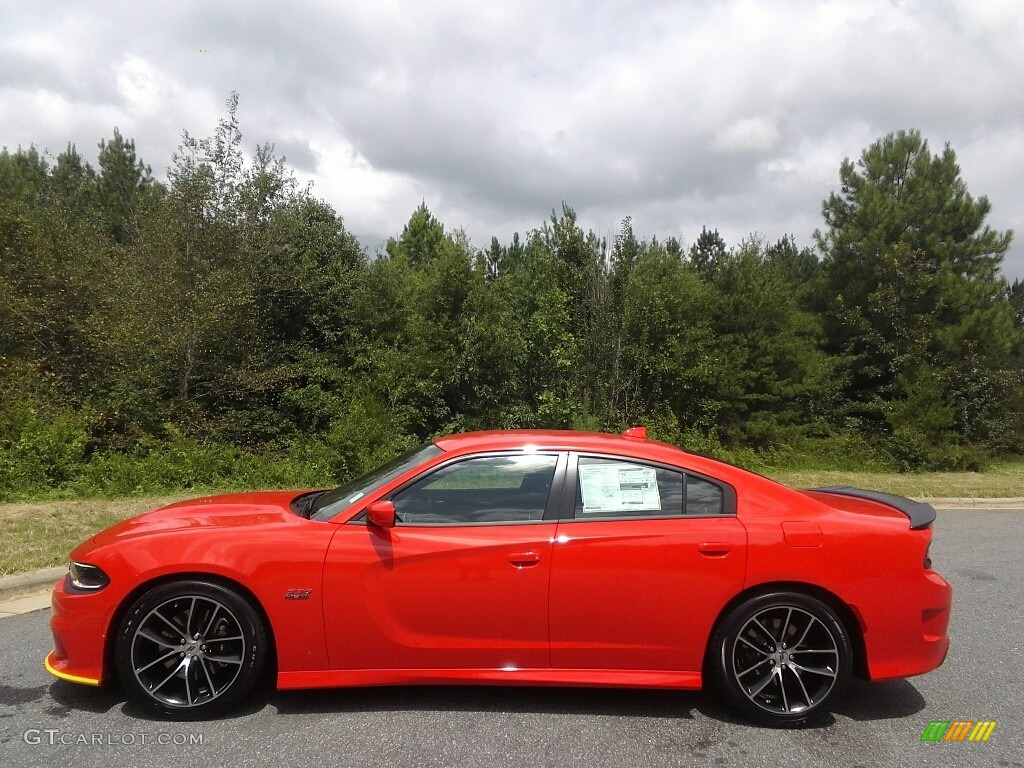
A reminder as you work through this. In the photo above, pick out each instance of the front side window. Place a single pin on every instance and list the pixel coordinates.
(487, 489)
(618, 488)
(331, 503)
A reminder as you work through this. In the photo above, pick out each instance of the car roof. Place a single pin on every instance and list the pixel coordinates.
(563, 439)
(599, 442)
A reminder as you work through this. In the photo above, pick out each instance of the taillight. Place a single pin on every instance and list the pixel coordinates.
(928, 557)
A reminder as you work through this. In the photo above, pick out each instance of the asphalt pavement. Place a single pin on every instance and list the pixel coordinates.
(46, 722)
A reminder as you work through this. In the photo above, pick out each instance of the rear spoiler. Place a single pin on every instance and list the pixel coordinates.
(921, 515)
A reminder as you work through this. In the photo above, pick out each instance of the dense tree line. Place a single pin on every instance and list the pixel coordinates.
(229, 312)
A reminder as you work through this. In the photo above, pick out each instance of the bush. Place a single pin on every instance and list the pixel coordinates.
(41, 452)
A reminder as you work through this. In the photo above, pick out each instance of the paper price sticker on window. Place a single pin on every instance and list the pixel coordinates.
(608, 488)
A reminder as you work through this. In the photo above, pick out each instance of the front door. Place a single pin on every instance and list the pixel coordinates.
(461, 581)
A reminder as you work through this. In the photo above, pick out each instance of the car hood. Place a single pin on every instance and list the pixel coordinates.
(224, 511)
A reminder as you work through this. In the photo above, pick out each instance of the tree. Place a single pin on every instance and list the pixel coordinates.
(912, 297)
(422, 239)
(1015, 294)
(23, 174)
(123, 183)
(899, 192)
(707, 251)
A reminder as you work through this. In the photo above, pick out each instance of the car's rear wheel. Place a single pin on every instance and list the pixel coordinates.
(782, 658)
(190, 648)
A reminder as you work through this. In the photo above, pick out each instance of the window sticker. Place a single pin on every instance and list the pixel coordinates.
(619, 488)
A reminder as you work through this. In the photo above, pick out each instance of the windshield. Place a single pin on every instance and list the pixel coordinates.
(332, 502)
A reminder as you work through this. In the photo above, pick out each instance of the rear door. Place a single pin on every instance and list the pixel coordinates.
(461, 581)
(647, 558)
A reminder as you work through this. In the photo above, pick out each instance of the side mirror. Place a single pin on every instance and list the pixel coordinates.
(382, 514)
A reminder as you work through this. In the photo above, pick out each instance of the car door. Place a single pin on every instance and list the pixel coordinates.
(644, 561)
(460, 581)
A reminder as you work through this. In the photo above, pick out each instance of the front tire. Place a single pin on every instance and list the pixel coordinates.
(190, 649)
(782, 658)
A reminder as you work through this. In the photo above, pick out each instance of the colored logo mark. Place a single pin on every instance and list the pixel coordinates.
(958, 730)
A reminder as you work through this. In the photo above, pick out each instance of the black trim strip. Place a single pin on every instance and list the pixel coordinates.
(921, 515)
(553, 508)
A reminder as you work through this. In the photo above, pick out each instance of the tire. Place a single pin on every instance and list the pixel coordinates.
(190, 649)
(781, 658)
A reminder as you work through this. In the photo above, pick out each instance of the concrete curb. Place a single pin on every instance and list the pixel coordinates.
(969, 503)
(26, 583)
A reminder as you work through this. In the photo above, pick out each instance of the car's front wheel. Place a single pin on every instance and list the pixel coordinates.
(190, 648)
(781, 658)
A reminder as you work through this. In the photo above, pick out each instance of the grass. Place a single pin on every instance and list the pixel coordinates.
(999, 481)
(40, 534)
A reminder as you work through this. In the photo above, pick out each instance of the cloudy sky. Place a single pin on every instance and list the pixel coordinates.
(731, 115)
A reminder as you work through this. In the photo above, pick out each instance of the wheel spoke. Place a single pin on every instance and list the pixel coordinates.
(759, 650)
(803, 688)
(769, 634)
(156, 661)
(222, 659)
(748, 670)
(213, 688)
(807, 629)
(188, 619)
(785, 626)
(166, 679)
(172, 625)
(812, 670)
(782, 687)
(213, 616)
(155, 638)
(188, 674)
(764, 683)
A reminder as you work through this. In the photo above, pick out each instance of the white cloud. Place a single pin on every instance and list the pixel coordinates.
(733, 114)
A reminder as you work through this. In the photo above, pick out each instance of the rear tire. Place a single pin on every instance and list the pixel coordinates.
(190, 649)
(781, 658)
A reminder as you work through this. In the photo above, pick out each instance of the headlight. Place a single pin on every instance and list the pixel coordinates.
(87, 577)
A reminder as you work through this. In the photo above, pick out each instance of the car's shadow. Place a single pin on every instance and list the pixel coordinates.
(864, 702)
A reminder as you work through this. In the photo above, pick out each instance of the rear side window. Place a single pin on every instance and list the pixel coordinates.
(487, 489)
(618, 488)
(702, 497)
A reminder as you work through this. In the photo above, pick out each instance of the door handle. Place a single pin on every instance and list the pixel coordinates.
(524, 559)
(714, 548)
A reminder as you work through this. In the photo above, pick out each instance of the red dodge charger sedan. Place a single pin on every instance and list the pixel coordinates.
(516, 557)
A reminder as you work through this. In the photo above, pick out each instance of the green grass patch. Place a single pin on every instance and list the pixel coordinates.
(1001, 480)
(41, 534)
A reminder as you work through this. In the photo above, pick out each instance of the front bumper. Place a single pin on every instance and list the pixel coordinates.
(78, 622)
